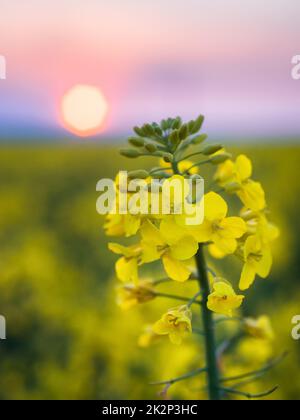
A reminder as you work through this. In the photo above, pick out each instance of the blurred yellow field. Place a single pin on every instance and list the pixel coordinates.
(67, 337)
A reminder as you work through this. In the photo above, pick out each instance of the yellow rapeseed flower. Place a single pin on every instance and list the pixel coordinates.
(223, 300)
(258, 261)
(239, 173)
(217, 228)
(129, 295)
(175, 251)
(260, 327)
(176, 323)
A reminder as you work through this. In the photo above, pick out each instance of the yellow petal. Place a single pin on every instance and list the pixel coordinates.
(252, 196)
(150, 252)
(202, 233)
(247, 276)
(252, 246)
(185, 249)
(233, 227)
(216, 252)
(150, 233)
(225, 172)
(119, 249)
(223, 288)
(215, 207)
(175, 338)
(161, 328)
(127, 270)
(170, 231)
(226, 245)
(131, 224)
(175, 269)
(243, 167)
(264, 266)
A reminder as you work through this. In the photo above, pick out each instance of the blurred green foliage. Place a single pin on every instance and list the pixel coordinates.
(66, 338)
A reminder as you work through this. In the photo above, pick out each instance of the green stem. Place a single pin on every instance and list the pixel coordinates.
(208, 328)
(180, 378)
(176, 297)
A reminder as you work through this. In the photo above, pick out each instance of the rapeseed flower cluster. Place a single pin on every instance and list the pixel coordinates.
(170, 240)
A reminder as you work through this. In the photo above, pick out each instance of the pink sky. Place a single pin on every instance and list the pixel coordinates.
(228, 59)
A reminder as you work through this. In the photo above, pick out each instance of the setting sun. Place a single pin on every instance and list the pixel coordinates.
(84, 109)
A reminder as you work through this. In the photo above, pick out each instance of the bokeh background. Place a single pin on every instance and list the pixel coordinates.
(229, 60)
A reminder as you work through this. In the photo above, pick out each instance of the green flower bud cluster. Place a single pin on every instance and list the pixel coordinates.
(169, 140)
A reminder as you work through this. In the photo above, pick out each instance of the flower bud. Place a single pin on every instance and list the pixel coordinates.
(221, 158)
(157, 129)
(199, 139)
(174, 138)
(210, 150)
(177, 123)
(130, 153)
(148, 130)
(196, 125)
(164, 125)
(150, 147)
(136, 141)
(138, 131)
(183, 132)
(168, 157)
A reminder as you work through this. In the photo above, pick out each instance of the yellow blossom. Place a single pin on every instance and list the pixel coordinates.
(217, 228)
(258, 260)
(130, 295)
(223, 300)
(260, 327)
(176, 323)
(239, 173)
(175, 251)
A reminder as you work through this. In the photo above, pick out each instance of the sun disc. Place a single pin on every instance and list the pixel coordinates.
(84, 109)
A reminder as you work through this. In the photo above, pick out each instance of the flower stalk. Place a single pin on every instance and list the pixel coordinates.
(209, 331)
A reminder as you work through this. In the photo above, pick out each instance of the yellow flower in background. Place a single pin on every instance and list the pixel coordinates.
(258, 261)
(217, 228)
(175, 251)
(239, 173)
(223, 300)
(260, 327)
(127, 266)
(130, 295)
(176, 323)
